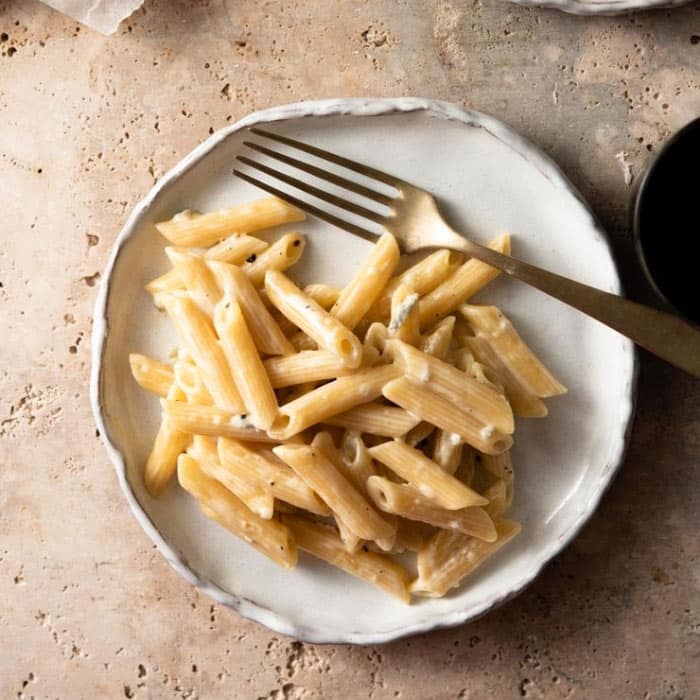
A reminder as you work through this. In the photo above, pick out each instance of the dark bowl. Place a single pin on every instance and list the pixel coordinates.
(666, 222)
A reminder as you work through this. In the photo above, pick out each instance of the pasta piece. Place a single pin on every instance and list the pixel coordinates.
(190, 381)
(322, 294)
(318, 324)
(422, 278)
(464, 283)
(324, 443)
(489, 323)
(280, 256)
(331, 399)
(426, 476)
(322, 542)
(199, 340)
(449, 556)
(524, 404)
(411, 535)
(282, 482)
(376, 336)
(376, 418)
(312, 366)
(467, 467)
(500, 495)
(166, 283)
(190, 228)
(437, 341)
(321, 475)
(408, 502)
(501, 466)
(150, 374)
(212, 421)
(366, 286)
(245, 364)
(404, 323)
(236, 249)
(464, 361)
(479, 400)
(268, 536)
(267, 334)
(433, 408)
(162, 460)
(420, 433)
(357, 460)
(447, 450)
(197, 278)
(251, 490)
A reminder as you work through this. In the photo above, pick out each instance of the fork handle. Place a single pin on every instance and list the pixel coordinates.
(662, 334)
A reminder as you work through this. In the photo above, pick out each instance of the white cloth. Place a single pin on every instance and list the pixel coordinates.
(103, 16)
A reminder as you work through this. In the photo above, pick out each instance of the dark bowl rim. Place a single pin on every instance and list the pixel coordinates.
(636, 213)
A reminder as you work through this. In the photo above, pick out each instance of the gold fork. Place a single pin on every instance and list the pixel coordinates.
(412, 216)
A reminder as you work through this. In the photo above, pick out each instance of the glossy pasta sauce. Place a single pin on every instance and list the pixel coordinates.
(668, 221)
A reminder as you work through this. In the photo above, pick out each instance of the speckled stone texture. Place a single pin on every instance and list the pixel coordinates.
(88, 608)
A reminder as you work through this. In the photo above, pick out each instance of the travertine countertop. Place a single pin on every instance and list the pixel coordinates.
(88, 608)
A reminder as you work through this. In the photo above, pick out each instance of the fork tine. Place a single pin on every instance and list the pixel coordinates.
(310, 208)
(323, 174)
(333, 158)
(315, 191)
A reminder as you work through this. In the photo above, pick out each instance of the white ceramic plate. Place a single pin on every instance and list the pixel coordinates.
(601, 7)
(490, 180)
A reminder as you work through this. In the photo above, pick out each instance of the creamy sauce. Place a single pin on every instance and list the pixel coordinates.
(400, 314)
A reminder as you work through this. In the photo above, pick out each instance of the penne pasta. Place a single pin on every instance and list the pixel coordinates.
(211, 421)
(422, 277)
(366, 286)
(420, 433)
(441, 412)
(236, 249)
(190, 381)
(318, 324)
(377, 419)
(449, 556)
(268, 536)
(500, 495)
(197, 278)
(425, 475)
(198, 337)
(251, 490)
(312, 366)
(190, 228)
(329, 400)
(280, 256)
(281, 481)
(437, 341)
(321, 475)
(479, 400)
(267, 334)
(150, 374)
(322, 542)
(245, 364)
(407, 502)
(324, 295)
(447, 450)
(162, 460)
(489, 323)
(523, 403)
(166, 283)
(462, 284)
(290, 431)
(501, 466)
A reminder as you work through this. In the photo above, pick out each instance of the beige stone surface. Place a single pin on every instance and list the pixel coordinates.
(88, 608)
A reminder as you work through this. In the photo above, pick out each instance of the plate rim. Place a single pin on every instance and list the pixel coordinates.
(608, 8)
(350, 107)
